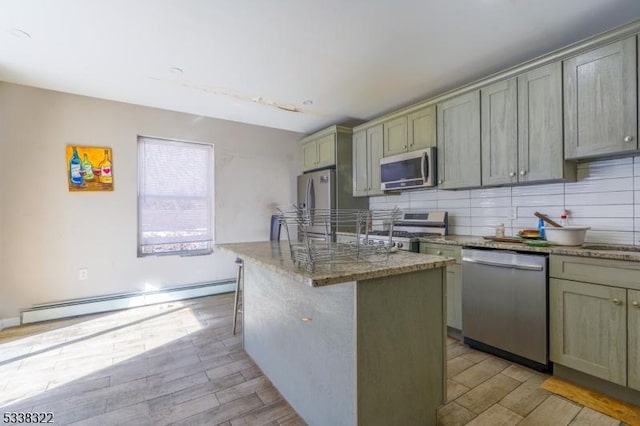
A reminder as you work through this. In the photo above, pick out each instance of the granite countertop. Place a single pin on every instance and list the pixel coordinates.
(275, 255)
(596, 250)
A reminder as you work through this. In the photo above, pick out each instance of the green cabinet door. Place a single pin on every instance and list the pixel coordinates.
(588, 328)
(454, 280)
(600, 95)
(360, 164)
(309, 155)
(454, 296)
(367, 152)
(326, 151)
(633, 316)
(421, 128)
(395, 136)
(459, 141)
(374, 153)
(499, 133)
(540, 146)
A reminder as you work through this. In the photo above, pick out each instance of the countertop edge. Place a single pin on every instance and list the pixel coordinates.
(473, 241)
(281, 263)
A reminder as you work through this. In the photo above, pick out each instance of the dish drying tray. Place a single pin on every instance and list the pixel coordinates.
(308, 252)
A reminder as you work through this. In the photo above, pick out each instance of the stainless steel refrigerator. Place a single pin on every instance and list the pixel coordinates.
(317, 191)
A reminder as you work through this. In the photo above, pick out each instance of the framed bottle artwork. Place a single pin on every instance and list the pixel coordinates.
(89, 168)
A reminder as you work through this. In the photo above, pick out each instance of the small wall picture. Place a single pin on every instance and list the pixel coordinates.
(89, 168)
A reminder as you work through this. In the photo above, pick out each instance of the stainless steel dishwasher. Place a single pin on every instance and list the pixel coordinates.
(504, 305)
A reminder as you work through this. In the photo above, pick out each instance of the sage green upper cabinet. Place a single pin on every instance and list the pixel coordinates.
(634, 339)
(319, 153)
(395, 136)
(459, 141)
(522, 129)
(360, 164)
(367, 152)
(411, 132)
(600, 95)
(422, 128)
(540, 145)
(499, 133)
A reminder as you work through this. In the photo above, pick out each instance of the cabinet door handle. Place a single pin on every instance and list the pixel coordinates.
(635, 304)
(617, 301)
(439, 252)
(523, 172)
(440, 181)
(628, 138)
(512, 174)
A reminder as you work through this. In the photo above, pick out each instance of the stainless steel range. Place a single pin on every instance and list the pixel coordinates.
(413, 226)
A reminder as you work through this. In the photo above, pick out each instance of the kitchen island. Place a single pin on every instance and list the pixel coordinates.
(355, 343)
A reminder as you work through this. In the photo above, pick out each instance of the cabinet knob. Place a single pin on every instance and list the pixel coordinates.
(523, 172)
(635, 304)
(439, 252)
(512, 174)
(440, 181)
(617, 301)
(628, 138)
(405, 147)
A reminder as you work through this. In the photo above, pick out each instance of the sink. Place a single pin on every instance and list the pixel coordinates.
(622, 249)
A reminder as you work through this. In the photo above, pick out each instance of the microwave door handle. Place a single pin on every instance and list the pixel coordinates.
(425, 168)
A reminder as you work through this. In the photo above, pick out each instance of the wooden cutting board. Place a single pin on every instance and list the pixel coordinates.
(503, 239)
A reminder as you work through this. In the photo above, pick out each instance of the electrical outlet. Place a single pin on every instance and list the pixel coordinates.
(83, 274)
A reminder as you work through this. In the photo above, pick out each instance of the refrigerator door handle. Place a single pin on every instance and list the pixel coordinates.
(305, 203)
(311, 201)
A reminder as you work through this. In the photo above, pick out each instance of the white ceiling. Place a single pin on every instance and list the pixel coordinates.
(355, 59)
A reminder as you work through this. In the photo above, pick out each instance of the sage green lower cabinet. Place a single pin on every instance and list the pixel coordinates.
(454, 280)
(363, 353)
(594, 317)
(588, 328)
(634, 338)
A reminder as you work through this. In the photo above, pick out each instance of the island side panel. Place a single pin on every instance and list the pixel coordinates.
(311, 362)
(401, 348)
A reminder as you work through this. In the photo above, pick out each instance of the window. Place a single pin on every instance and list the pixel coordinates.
(175, 187)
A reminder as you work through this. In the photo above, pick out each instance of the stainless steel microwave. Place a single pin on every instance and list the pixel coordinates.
(416, 169)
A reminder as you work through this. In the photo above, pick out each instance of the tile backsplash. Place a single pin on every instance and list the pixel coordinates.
(606, 197)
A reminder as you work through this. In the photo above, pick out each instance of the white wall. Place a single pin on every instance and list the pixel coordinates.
(47, 233)
(606, 197)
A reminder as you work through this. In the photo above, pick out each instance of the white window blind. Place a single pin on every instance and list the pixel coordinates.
(175, 187)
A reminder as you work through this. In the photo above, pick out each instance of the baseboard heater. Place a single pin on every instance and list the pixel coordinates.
(93, 305)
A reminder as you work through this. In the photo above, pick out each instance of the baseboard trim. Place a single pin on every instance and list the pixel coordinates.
(9, 322)
(94, 305)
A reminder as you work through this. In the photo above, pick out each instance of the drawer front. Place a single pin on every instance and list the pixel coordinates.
(598, 271)
(442, 250)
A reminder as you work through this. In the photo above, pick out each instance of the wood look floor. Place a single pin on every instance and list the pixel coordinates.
(178, 363)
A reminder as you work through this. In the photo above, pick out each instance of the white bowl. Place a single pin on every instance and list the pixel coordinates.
(567, 235)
